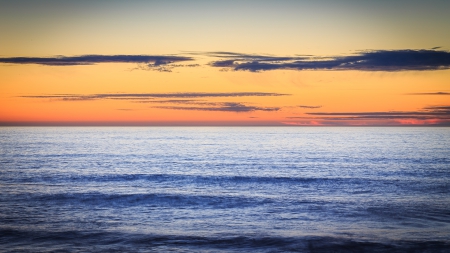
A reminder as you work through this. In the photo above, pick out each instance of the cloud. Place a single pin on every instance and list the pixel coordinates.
(427, 115)
(149, 96)
(309, 106)
(188, 100)
(163, 68)
(431, 116)
(378, 60)
(177, 101)
(202, 105)
(151, 60)
(431, 93)
(252, 57)
(222, 106)
(443, 109)
(382, 114)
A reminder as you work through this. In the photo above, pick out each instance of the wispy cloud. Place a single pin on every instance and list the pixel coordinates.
(176, 101)
(252, 57)
(379, 60)
(163, 68)
(427, 115)
(221, 106)
(393, 114)
(442, 109)
(149, 96)
(154, 61)
(309, 106)
(202, 105)
(431, 93)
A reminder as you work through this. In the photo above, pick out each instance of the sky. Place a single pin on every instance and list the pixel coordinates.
(274, 63)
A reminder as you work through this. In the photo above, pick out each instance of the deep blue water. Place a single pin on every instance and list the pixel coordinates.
(230, 189)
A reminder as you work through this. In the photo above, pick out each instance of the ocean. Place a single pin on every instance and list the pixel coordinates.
(224, 189)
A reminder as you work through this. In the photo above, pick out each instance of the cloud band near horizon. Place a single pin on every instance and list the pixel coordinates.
(155, 60)
(381, 60)
(222, 107)
(432, 113)
(370, 60)
(142, 96)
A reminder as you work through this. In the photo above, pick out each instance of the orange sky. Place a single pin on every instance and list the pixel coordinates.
(224, 63)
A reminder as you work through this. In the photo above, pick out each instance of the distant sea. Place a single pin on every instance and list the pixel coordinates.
(224, 189)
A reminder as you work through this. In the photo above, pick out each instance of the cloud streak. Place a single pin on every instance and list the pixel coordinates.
(152, 60)
(202, 105)
(188, 101)
(309, 106)
(376, 60)
(163, 68)
(432, 115)
(379, 60)
(431, 93)
(222, 107)
(150, 96)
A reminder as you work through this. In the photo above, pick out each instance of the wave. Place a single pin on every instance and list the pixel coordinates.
(95, 241)
(352, 185)
(54, 178)
(423, 214)
(142, 199)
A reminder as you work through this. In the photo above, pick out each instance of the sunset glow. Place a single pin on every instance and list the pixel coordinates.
(224, 63)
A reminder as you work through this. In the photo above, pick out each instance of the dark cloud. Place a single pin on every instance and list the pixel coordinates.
(223, 107)
(427, 113)
(381, 60)
(147, 96)
(431, 93)
(378, 114)
(164, 68)
(237, 61)
(252, 57)
(151, 60)
(432, 115)
(202, 105)
(377, 117)
(177, 101)
(439, 108)
(310, 106)
(189, 102)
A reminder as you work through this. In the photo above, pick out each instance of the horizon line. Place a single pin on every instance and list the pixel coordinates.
(193, 124)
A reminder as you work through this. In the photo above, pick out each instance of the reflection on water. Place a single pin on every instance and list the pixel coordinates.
(216, 189)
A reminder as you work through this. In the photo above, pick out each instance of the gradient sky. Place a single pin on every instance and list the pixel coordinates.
(337, 62)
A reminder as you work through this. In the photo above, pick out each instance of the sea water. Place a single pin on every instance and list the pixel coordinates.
(224, 189)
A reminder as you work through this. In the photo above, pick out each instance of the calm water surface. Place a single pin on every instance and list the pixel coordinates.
(231, 189)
